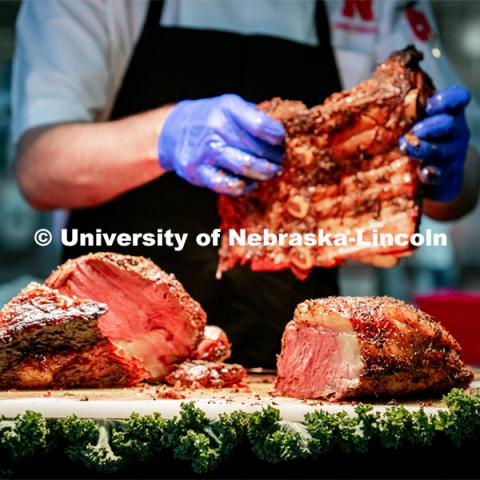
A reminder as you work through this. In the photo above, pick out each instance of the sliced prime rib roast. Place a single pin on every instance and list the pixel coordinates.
(50, 340)
(351, 347)
(214, 346)
(205, 374)
(150, 315)
(342, 171)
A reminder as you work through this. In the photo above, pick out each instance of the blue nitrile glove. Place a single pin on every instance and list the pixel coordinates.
(443, 143)
(222, 143)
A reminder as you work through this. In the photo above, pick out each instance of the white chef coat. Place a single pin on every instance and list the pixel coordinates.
(71, 55)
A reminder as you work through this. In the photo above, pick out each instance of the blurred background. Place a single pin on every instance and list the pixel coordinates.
(459, 267)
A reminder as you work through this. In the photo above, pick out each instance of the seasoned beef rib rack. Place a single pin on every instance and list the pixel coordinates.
(342, 171)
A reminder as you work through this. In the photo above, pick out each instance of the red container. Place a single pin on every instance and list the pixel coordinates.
(459, 313)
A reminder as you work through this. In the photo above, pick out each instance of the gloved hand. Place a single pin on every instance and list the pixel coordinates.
(444, 138)
(222, 143)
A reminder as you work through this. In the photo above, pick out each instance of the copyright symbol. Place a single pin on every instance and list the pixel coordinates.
(43, 237)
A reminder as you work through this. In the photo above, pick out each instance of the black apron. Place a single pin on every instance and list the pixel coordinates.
(170, 64)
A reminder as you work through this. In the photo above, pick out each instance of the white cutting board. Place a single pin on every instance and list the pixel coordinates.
(121, 403)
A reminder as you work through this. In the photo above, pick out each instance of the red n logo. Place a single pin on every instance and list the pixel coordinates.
(362, 7)
(419, 23)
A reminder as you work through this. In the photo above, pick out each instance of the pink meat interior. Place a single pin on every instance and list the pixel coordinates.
(317, 362)
(143, 317)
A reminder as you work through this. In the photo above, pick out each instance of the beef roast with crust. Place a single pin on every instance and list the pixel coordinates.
(50, 340)
(342, 171)
(150, 315)
(351, 347)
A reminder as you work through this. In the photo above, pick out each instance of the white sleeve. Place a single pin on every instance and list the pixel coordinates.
(399, 28)
(60, 68)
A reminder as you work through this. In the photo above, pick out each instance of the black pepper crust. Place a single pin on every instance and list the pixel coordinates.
(40, 319)
(404, 351)
(51, 340)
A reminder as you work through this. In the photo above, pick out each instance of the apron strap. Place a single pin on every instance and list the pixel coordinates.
(154, 14)
(322, 24)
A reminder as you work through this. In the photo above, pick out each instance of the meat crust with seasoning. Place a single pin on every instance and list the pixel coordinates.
(203, 374)
(49, 340)
(352, 347)
(342, 171)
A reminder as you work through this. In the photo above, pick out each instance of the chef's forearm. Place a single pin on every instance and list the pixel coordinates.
(466, 200)
(81, 165)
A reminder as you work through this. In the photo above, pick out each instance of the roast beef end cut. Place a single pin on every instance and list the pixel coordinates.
(49, 340)
(150, 314)
(203, 374)
(353, 347)
(41, 319)
(100, 366)
(342, 172)
(214, 346)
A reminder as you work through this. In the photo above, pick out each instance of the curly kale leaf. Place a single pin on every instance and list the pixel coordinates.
(397, 427)
(275, 440)
(55, 434)
(88, 441)
(339, 431)
(203, 442)
(461, 423)
(366, 419)
(320, 427)
(421, 429)
(230, 429)
(198, 448)
(191, 418)
(23, 437)
(140, 438)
